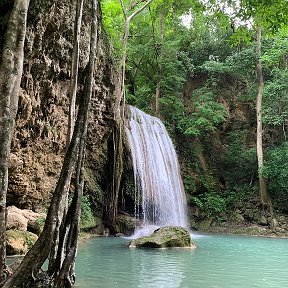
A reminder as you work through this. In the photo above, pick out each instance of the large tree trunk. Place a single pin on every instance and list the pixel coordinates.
(61, 273)
(264, 196)
(10, 77)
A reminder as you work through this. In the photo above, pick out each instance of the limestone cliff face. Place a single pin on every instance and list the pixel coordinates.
(41, 125)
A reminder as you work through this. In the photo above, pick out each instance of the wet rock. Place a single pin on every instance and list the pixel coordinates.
(165, 237)
(19, 242)
(273, 222)
(262, 220)
(205, 224)
(16, 221)
(41, 125)
(239, 217)
(126, 224)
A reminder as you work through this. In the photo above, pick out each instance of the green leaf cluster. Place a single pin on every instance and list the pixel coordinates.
(276, 172)
(87, 218)
(276, 168)
(206, 115)
(210, 204)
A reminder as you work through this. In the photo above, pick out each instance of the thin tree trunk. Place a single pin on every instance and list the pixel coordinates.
(120, 96)
(160, 67)
(10, 78)
(74, 70)
(264, 196)
(111, 209)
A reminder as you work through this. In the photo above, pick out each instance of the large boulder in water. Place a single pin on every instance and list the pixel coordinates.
(165, 237)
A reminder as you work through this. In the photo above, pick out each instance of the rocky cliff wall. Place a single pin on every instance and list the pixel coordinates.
(41, 125)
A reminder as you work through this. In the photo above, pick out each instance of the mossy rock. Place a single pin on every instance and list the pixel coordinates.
(205, 224)
(93, 186)
(19, 242)
(36, 227)
(165, 237)
(126, 224)
(97, 229)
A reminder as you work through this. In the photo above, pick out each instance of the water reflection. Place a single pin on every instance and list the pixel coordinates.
(218, 262)
(162, 270)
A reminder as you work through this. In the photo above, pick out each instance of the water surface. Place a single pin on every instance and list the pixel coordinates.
(218, 262)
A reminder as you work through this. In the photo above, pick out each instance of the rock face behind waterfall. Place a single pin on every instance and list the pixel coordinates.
(165, 237)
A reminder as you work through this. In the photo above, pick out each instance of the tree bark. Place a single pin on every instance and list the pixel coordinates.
(10, 78)
(264, 196)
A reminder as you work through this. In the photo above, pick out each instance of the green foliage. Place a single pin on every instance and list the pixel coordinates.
(189, 184)
(207, 38)
(242, 62)
(208, 182)
(210, 203)
(276, 49)
(87, 218)
(147, 54)
(29, 240)
(272, 14)
(113, 21)
(240, 161)
(41, 222)
(276, 168)
(276, 98)
(239, 196)
(241, 35)
(275, 102)
(206, 116)
(215, 67)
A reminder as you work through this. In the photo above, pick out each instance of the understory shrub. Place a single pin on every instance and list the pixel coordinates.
(87, 218)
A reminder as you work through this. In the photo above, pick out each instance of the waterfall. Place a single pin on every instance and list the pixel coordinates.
(159, 189)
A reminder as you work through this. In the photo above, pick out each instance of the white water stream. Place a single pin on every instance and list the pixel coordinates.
(159, 189)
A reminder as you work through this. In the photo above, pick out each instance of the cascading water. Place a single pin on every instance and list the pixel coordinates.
(159, 188)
